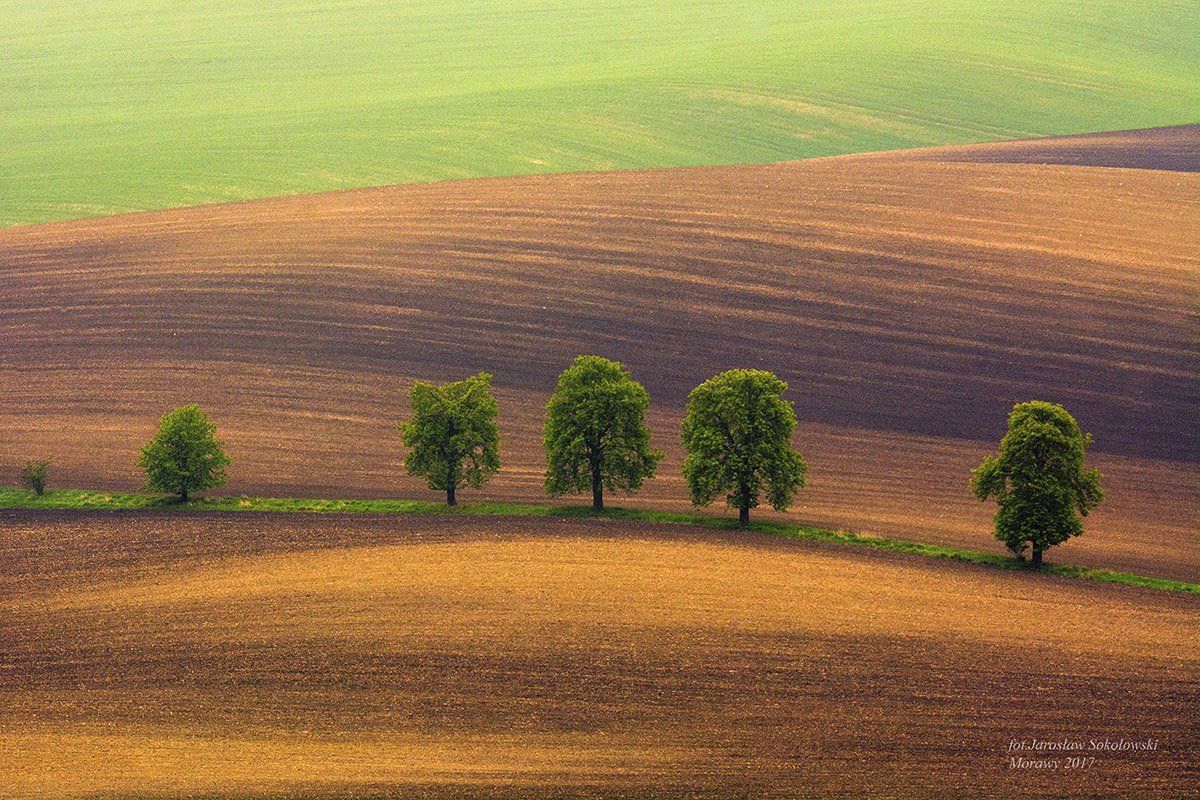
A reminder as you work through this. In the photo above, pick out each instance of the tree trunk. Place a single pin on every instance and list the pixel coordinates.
(450, 499)
(743, 496)
(597, 489)
(1037, 559)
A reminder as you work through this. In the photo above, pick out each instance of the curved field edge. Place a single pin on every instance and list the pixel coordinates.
(113, 107)
(83, 499)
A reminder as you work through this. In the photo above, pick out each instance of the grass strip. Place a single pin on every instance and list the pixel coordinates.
(85, 499)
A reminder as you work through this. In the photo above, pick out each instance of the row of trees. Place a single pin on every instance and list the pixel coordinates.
(736, 433)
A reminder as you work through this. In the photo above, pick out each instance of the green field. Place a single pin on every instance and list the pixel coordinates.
(113, 106)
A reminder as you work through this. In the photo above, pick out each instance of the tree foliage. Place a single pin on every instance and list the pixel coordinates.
(185, 456)
(34, 475)
(737, 433)
(595, 432)
(1038, 479)
(453, 434)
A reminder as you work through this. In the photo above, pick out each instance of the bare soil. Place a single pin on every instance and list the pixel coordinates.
(1173, 148)
(260, 655)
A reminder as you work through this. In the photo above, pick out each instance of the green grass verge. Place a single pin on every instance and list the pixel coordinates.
(114, 106)
(14, 498)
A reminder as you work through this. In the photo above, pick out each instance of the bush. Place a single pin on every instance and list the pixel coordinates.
(34, 475)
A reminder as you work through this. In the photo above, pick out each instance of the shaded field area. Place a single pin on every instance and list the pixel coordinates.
(1170, 148)
(256, 654)
(909, 304)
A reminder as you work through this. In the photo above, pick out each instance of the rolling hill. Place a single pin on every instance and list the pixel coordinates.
(112, 107)
(916, 212)
(909, 299)
(246, 655)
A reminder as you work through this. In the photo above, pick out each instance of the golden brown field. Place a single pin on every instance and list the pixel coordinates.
(152, 654)
(910, 299)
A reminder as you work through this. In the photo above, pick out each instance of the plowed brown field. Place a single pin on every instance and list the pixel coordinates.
(246, 654)
(1175, 148)
(908, 302)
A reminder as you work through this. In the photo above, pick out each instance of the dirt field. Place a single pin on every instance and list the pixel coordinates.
(246, 654)
(1173, 148)
(909, 304)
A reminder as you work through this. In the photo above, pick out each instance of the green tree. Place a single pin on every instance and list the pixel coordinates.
(737, 433)
(184, 456)
(595, 432)
(453, 434)
(34, 475)
(1038, 479)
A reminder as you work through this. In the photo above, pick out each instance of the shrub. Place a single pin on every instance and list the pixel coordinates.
(34, 475)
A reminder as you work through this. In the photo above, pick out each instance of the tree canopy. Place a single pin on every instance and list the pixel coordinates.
(1039, 480)
(737, 432)
(453, 434)
(185, 456)
(595, 432)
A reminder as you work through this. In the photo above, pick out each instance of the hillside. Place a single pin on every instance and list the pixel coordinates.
(283, 655)
(908, 303)
(1174, 148)
(114, 106)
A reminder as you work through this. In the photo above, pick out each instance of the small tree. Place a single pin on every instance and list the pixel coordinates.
(453, 434)
(34, 476)
(737, 433)
(595, 432)
(1038, 479)
(184, 456)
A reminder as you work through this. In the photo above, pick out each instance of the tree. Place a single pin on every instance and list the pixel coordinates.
(453, 434)
(1038, 479)
(595, 432)
(184, 456)
(737, 432)
(34, 475)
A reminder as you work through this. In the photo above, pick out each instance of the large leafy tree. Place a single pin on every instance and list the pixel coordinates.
(595, 432)
(1039, 480)
(185, 456)
(453, 434)
(737, 433)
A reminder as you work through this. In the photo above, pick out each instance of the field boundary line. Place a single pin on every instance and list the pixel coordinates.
(91, 500)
